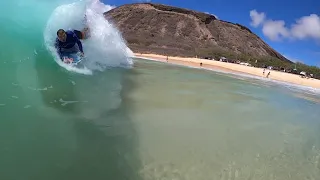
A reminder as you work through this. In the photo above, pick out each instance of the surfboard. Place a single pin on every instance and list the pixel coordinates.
(72, 58)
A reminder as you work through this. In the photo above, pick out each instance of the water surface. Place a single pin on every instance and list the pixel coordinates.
(150, 121)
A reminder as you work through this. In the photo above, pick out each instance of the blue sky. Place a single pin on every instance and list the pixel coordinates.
(292, 27)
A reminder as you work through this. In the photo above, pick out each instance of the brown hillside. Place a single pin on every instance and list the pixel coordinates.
(162, 29)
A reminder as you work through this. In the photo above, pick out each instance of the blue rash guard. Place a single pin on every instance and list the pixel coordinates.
(69, 44)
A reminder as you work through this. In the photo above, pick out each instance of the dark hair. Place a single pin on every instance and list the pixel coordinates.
(59, 31)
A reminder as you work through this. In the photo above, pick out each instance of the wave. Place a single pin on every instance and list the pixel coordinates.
(105, 48)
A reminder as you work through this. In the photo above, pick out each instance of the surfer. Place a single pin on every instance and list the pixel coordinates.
(66, 41)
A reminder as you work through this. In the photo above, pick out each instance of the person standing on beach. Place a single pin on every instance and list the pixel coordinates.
(264, 70)
(268, 74)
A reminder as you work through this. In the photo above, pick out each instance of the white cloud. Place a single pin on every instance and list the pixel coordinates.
(257, 18)
(307, 27)
(304, 27)
(275, 30)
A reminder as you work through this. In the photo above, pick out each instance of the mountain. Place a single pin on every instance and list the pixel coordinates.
(167, 30)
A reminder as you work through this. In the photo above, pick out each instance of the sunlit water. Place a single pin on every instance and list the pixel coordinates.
(167, 122)
(196, 125)
(144, 120)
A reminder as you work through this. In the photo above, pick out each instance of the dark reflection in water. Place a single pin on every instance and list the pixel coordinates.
(71, 146)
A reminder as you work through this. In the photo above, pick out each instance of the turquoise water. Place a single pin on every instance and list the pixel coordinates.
(137, 119)
(154, 121)
(193, 124)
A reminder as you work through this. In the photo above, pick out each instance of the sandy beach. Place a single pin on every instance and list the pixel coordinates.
(217, 65)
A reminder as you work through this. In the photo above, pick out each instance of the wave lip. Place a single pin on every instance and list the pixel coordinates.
(105, 47)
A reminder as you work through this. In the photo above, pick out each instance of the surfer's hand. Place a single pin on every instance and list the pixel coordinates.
(68, 60)
(82, 54)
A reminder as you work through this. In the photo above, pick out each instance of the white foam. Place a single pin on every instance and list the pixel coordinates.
(105, 47)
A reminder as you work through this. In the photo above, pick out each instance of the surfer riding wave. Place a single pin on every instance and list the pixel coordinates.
(66, 41)
(84, 22)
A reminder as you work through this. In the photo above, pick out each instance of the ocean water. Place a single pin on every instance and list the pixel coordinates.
(210, 125)
(126, 118)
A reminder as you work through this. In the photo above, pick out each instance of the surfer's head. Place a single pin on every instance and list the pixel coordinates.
(61, 35)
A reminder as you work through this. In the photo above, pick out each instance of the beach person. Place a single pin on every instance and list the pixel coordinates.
(264, 70)
(268, 74)
(69, 41)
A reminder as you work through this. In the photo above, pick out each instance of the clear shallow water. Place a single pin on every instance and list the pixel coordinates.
(153, 121)
(196, 125)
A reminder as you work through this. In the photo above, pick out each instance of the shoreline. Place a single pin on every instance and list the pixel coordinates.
(233, 68)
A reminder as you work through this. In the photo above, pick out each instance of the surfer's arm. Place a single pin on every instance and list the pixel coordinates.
(80, 45)
(78, 42)
(58, 48)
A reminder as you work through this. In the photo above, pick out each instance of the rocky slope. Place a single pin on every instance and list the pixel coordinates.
(162, 29)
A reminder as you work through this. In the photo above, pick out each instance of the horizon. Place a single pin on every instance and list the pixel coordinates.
(294, 34)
